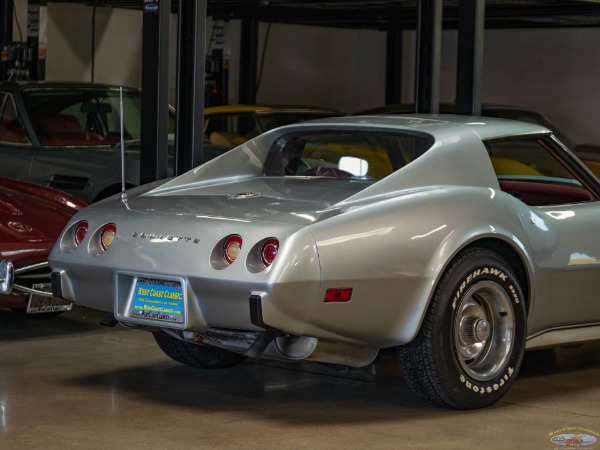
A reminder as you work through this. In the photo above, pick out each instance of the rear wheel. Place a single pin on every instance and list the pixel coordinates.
(472, 339)
(195, 355)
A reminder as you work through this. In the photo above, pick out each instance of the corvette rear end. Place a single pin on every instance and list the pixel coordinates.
(173, 262)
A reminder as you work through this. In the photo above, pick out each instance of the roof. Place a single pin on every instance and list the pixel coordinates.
(437, 124)
(389, 14)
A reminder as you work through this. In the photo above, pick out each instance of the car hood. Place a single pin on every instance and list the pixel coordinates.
(31, 218)
(289, 200)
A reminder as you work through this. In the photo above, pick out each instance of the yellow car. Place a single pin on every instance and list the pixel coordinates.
(234, 124)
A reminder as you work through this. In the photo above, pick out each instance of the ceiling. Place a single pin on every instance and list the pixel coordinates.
(390, 14)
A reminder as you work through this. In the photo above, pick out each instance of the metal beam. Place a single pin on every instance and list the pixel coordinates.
(429, 38)
(393, 67)
(155, 94)
(248, 61)
(471, 16)
(6, 34)
(190, 85)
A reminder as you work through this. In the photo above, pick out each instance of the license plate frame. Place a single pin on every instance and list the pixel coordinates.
(157, 300)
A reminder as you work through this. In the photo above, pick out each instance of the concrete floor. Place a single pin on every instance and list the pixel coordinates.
(66, 382)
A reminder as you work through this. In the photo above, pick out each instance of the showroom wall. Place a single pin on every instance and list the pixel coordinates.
(553, 71)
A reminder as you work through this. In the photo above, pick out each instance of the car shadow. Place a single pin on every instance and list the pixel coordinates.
(373, 391)
(281, 392)
(16, 325)
(560, 360)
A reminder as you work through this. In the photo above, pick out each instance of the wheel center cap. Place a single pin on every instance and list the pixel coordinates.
(482, 330)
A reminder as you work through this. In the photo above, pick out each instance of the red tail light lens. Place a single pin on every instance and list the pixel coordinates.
(232, 247)
(107, 235)
(268, 251)
(80, 231)
(338, 295)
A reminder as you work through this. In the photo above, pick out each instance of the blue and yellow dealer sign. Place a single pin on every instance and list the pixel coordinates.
(158, 300)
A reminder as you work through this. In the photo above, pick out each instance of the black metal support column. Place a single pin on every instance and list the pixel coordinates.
(393, 67)
(6, 34)
(248, 61)
(429, 39)
(471, 16)
(155, 94)
(190, 85)
(36, 38)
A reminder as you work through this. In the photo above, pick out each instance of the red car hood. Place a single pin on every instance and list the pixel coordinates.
(31, 218)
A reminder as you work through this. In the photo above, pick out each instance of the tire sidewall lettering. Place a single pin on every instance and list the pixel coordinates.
(490, 273)
(482, 388)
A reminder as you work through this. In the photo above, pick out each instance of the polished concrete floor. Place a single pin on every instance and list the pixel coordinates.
(68, 383)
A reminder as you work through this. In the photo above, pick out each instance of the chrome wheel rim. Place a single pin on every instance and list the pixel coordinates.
(484, 328)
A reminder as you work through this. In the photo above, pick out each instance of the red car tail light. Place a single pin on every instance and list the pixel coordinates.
(232, 247)
(80, 231)
(268, 251)
(107, 235)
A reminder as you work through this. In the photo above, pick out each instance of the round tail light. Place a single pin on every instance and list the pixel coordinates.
(80, 231)
(107, 235)
(268, 251)
(232, 247)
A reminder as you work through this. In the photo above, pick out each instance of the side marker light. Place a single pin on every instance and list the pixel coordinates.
(338, 295)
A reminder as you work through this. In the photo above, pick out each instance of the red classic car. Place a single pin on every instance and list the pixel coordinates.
(31, 218)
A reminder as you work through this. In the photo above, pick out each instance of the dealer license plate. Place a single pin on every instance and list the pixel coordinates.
(46, 304)
(160, 300)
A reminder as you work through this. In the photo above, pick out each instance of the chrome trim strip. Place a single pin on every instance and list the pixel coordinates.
(571, 334)
(27, 290)
(32, 267)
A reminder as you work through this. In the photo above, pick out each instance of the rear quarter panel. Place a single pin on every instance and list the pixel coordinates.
(392, 254)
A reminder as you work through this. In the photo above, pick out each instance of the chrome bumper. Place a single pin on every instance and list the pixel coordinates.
(32, 271)
(7, 276)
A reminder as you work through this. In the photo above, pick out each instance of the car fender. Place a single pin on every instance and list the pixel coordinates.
(393, 263)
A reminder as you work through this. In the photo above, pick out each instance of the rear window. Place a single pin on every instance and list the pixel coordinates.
(342, 154)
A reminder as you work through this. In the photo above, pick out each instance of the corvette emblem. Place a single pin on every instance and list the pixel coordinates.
(164, 237)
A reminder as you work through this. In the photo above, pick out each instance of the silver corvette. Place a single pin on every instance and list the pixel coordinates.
(460, 242)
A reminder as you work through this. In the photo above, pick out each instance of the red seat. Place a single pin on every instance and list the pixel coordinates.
(12, 131)
(65, 130)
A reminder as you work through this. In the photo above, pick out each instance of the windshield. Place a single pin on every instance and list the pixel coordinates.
(83, 116)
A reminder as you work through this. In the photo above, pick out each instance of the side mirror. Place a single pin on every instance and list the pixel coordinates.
(356, 166)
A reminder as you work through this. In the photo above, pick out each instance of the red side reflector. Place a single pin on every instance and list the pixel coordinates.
(338, 295)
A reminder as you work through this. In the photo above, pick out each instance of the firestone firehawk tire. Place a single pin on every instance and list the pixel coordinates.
(195, 355)
(471, 343)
